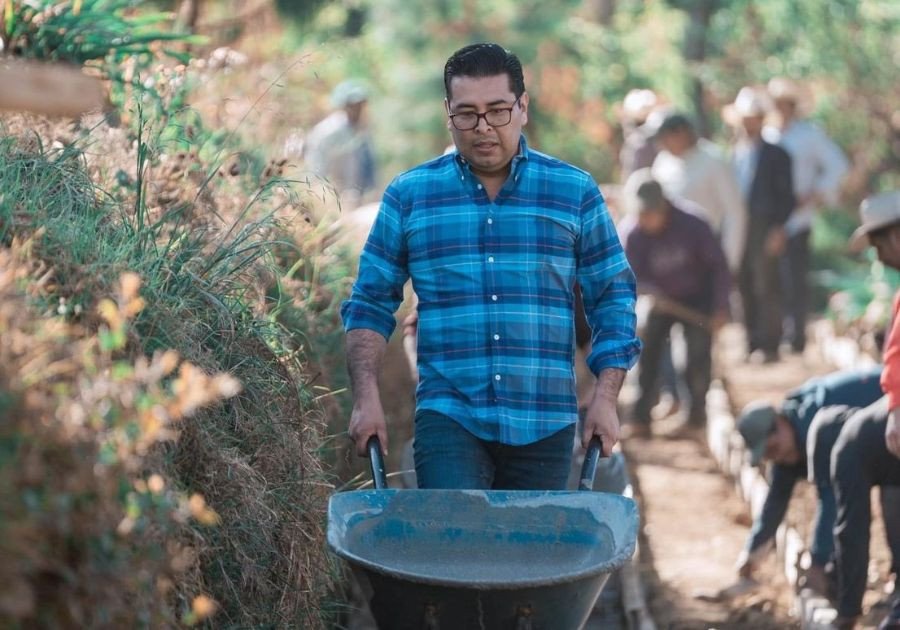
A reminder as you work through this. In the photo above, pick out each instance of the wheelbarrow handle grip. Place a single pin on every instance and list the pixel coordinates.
(589, 467)
(376, 461)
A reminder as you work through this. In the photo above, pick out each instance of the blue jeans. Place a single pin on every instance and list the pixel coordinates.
(450, 457)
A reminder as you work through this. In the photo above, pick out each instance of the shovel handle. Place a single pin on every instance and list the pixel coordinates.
(376, 461)
(589, 467)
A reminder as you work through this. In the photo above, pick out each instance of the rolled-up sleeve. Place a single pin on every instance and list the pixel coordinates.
(608, 286)
(378, 290)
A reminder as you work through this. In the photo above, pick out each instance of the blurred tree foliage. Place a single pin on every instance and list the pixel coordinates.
(582, 56)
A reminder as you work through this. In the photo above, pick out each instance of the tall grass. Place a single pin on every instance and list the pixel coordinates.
(205, 259)
(79, 31)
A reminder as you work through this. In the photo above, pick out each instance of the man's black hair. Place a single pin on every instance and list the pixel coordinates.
(675, 121)
(484, 60)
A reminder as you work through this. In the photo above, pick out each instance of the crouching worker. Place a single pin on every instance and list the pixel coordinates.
(797, 438)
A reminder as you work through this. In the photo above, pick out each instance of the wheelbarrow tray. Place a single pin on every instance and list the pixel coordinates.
(459, 559)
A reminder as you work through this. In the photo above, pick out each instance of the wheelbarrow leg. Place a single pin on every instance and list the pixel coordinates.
(430, 619)
(523, 618)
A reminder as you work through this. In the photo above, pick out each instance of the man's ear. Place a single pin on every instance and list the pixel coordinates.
(523, 103)
(447, 110)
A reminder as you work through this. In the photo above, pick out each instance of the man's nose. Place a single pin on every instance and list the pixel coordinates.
(482, 119)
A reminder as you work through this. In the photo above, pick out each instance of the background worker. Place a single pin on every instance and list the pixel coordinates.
(797, 438)
(867, 452)
(764, 176)
(679, 263)
(339, 148)
(693, 168)
(819, 167)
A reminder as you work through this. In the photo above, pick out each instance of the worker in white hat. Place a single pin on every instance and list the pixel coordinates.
(638, 149)
(764, 177)
(819, 168)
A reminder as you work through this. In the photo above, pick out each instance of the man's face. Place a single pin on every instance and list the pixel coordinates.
(653, 222)
(355, 113)
(781, 445)
(752, 126)
(886, 242)
(676, 142)
(489, 150)
(786, 108)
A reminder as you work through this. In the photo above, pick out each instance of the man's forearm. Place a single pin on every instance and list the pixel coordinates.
(365, 352)
(609, 383)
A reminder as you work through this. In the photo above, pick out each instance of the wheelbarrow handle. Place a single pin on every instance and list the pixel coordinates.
(589, 467)
(376, 461)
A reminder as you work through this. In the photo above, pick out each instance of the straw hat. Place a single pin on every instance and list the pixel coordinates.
(749, 102)
(876, 212)
(638, 104)
(783, 88)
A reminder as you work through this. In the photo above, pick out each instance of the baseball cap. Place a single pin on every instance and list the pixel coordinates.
(755, 425)
(349, 92)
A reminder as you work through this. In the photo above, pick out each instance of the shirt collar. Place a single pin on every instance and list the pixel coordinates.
(518, 162)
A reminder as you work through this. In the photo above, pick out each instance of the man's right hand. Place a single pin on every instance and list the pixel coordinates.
(746, 568)
(366, 420)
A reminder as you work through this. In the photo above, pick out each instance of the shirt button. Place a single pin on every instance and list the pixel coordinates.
(490, 221)
(496, 337)
(494, 298)
(490, 259)
(480, 186)
(496, 377)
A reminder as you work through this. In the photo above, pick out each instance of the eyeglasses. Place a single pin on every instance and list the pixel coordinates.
(496, 117)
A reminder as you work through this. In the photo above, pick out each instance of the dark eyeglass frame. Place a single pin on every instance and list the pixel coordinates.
(478, 117)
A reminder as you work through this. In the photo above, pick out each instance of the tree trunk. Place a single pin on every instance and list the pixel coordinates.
(700, 13)
(601, 11)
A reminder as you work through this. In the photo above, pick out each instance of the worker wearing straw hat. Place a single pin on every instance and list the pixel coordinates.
(764, 175)
(819, 167)
(867, 452)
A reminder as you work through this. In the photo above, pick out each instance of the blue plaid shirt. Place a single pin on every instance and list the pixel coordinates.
(495, 286)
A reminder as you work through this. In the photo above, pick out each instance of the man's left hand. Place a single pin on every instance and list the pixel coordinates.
(892, 432)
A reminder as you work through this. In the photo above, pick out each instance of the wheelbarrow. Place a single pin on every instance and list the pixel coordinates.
(482, 559)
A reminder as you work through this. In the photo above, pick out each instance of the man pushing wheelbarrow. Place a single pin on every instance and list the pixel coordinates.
(494, 237)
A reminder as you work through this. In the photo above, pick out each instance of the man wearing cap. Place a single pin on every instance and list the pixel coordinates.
(339, 148)
(679, 263)
(797, 439)
(693, 168)
(819, 167)
(867, 452)
(764, 176)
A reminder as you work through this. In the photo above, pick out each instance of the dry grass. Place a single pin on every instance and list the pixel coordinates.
(250, 545)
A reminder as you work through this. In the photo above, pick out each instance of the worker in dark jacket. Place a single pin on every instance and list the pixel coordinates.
(797, 438)
(765, 178)
(680, 266)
